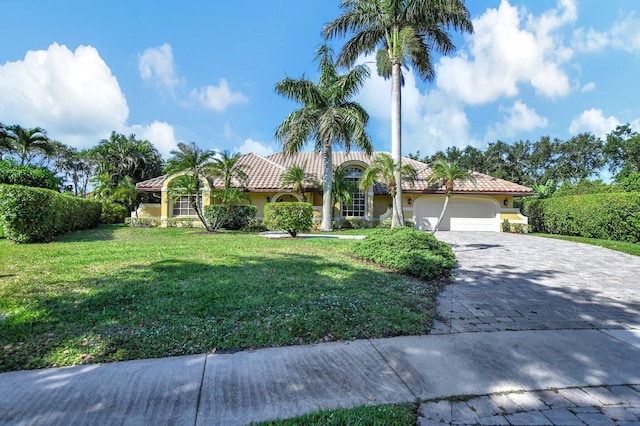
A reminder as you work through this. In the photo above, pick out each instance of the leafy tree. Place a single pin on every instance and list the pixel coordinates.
(383, 169)
(542, 159)
(194, 163)
(5, 143)
(583, 187)
(226, 167)
(403, 32)
(27, 143)
(622, 152)
(446, 174)
(579, 158)
(342, 187)
(297, 179)
(327, 117)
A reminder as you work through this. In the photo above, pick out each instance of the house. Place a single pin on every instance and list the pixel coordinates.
(482, 206)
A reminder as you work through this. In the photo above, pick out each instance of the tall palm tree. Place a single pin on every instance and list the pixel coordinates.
(403, 32)
(327, 117)
(5, 142)
(384, 170)
(297, 178)
(445, 174)
(226, 167)
(27, 143)
(194, 163)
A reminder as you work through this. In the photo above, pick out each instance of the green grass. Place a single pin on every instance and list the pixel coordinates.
(118, 293)
(387, 415)
(630, 248)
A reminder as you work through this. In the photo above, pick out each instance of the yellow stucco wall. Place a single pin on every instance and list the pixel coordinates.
(150, 210)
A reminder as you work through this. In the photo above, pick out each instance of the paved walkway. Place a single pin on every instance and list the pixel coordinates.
(533, 331)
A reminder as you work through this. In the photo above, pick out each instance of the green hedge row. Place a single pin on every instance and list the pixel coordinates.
(614, 216)
(31, 215)
(406, 250)
(12, 173)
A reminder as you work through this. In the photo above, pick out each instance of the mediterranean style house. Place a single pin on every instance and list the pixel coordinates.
(482, 206)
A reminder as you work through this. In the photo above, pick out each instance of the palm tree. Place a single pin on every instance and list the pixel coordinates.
(5, 142)
(342, 187)
(445, 174)
(403, 32)
(327, 117)
(27, 143)
(297, 178)
(194, 163)
(226, 167)
(383, 169)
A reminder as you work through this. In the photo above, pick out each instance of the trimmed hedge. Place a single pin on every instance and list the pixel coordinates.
(409, 251)
(12, 173)
(290, 217)
(31, 215)
(614, 216)
(241, 216)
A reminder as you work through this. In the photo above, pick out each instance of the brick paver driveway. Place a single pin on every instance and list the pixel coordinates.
(520, 282)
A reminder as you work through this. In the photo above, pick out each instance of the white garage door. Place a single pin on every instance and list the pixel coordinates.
(463, 213)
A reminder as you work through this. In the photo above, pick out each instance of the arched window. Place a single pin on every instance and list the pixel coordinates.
(358, 202)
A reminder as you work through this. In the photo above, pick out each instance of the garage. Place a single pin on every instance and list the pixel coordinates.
(464, 213)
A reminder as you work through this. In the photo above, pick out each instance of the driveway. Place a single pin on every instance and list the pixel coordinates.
(520, 282)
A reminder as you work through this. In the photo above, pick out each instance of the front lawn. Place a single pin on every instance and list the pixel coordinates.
(624, 247)
(118, 293)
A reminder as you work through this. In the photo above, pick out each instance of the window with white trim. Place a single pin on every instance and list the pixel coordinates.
(358, 199)
(182, 206)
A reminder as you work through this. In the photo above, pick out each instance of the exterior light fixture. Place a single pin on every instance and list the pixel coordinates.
(268, 199)
(410, 201)
(506, 202)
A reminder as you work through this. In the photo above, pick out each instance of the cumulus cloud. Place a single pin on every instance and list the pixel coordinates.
(517, 118)
(72, 94)
(588, 87)
(217, 98)
(593, 121)
(250, 145)
(156, 65)
(160, 134)
(507, 49)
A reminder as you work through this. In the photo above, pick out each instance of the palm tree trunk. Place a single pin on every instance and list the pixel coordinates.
(444, 209)
(327, 199)
(396, 140)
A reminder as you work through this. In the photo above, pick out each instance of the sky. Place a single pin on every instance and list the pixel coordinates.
(205, 72)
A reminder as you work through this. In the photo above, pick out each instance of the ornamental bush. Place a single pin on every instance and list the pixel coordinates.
(30, 215)
(409, 251)
(239, 217)
(12, 173)
(290, 217)
(614, 216)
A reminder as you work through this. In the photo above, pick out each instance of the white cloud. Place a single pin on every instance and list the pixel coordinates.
(588, 87)
(507, 50)
(160, 134)
(250, 145)
(624, 34)
(156, 65)
(518, 118)
(593, 121)
(217, 98)
(72, 94)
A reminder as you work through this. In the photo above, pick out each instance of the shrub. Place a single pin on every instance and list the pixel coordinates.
(290, 217)
(254, 225)
(584, 187)
(113, 212)
(30, 215)
(614, 216)
(12, 173)
(519, 228)
(534, 210)
(409, 251)
(239, 217)
(143, 222)
(631, 183)
(180, 222)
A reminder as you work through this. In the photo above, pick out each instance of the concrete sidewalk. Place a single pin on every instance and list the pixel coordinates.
(282, 382)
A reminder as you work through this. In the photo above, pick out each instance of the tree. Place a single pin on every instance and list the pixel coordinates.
(579, 157)
(384, 170)
(226, 167)
(297, 179)
(342, 187)
(194, 163)
(5, 142)
(622, 152)
(445, 174)
(327, 117)
(403, 32)
(27, 143)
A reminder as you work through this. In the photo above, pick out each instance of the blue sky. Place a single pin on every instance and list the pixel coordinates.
(204, 72)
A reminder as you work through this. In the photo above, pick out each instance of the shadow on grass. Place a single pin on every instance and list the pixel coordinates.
(101, 233)
(178, 307)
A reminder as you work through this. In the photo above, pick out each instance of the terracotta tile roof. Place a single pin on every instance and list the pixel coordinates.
(264, 174)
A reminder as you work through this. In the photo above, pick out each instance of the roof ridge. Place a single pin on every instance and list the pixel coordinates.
(280, 166)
